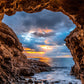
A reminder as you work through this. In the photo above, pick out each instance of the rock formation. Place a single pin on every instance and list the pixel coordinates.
(13, 63)
(75, 41)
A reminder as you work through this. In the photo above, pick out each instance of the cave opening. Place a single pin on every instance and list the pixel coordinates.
(42, 35)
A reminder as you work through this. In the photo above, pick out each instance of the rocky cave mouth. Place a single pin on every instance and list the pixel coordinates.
(42, 33)
(75, 41)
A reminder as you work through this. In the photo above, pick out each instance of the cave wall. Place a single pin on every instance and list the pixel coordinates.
(75, 42)
(74, 9)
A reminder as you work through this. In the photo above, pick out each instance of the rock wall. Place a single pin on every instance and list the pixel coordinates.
(72, 8)
(13, 63)
(75, 42)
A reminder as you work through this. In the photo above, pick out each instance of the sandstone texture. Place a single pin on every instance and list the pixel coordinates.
(74, 9)
(13, 63)
(75, 42)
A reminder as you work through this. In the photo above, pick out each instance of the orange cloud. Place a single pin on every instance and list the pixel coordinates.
(34, 52)
(26, 48)
(40, 30)
(46, 47)
(31, 53)
(46, 42)
(65, 56)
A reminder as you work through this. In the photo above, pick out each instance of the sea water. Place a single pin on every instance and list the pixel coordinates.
(60, 73)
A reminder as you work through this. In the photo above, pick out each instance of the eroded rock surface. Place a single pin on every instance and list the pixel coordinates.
(13, 63)
(72, 8)
(75, 42)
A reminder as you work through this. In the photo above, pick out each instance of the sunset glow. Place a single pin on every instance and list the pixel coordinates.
(44, 30)
(65, 56)
(43, 33)
(46, 47)
(46, 42)
(31, 52)
(26, 49)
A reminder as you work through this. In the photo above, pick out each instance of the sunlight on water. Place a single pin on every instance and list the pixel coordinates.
(37, 55)
(60, 72)
(60, 67)
(40, 55)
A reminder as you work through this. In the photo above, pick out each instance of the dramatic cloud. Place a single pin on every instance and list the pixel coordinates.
(47, 19)
(42, 32)
(23, 22)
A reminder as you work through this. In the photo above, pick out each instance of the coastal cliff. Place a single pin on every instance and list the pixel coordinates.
(13, 63)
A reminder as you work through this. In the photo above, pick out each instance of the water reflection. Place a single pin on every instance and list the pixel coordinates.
(45, 59)
(61, 67)
(60, 72)
(37, 55)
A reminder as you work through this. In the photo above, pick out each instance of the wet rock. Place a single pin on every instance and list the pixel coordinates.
(30, 81)
(45, 82)
(70, 82)
(57, 82)
(37, 82)
(22, 78)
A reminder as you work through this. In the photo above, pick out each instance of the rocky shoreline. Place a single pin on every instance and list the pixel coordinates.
(35, 81)
(35, 67)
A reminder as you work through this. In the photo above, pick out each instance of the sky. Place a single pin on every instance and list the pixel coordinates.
(42, 33)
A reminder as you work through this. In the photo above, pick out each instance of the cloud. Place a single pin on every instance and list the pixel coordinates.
(49, 28)
(59, 51)
(59, 38)
(43, 34)
(49, 19)
(23, 22)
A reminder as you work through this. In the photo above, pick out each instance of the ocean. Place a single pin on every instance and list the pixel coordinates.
(59, 74)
